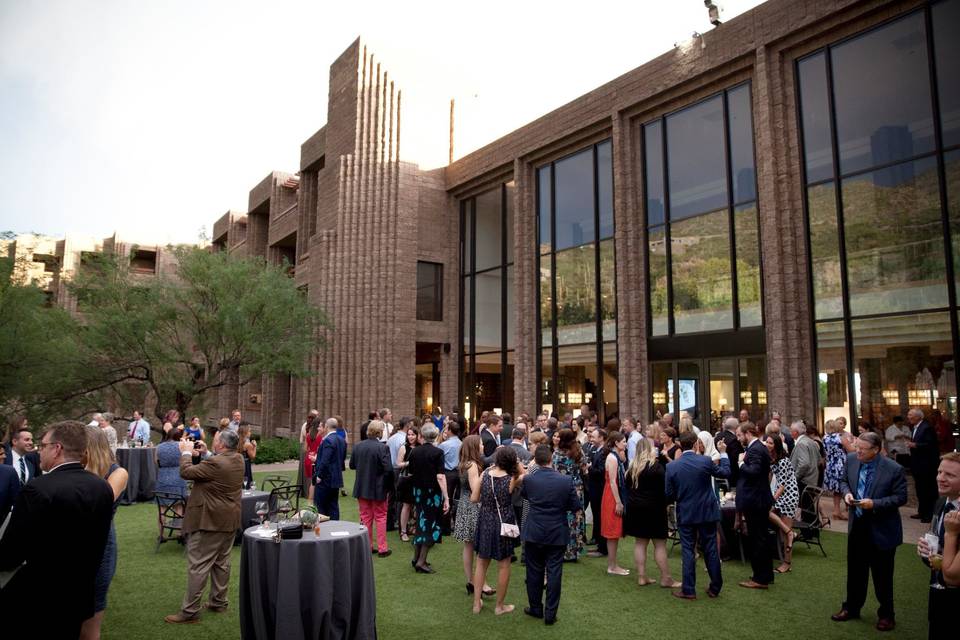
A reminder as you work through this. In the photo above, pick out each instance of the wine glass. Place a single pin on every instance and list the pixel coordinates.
(262, 509)
(284, 507)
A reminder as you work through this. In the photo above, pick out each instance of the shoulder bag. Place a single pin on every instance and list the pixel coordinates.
(507, 530)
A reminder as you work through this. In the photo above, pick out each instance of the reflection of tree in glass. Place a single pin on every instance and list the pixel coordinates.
(576, 288)
(700, 253)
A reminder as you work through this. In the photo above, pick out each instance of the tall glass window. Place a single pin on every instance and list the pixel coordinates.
(577, 293)
(875, 148)
(703, 253)
(487, 323)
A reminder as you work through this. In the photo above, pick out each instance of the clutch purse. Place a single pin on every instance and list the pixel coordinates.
(291, 531)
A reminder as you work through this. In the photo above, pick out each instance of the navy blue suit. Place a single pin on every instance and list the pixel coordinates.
(924, 462)
(32, 461)
(9, 488)
(875, 534)
(551, 496)
(328, 475)
(698, 512)
(754, 501)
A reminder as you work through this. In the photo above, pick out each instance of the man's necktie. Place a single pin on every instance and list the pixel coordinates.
(863, 485)
(23, 471)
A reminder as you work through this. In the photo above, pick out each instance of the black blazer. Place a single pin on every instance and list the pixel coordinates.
(551, 495)
(926, 455)
(59, 527)
(32, 461)
(9, 488)
(753, 485)
(374, 478)
(489, 442)
(888, 490)
(734, 449)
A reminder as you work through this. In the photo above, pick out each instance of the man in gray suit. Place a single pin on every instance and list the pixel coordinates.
(519, 443)
(805, 459)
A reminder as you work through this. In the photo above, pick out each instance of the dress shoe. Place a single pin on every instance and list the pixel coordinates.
(885, 624)
(712, 594)
(843, 615)
(683, 596)
(179, 618)
(549, 621)
(384, 554)
(534, 614)
(214, 608)
(750, 584)
(373, 551)
(427, 569)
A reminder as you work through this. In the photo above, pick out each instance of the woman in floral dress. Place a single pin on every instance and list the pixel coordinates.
(837, 443)
(568, 460)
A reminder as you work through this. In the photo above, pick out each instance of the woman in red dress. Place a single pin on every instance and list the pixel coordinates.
(312, 443)
(611, 506)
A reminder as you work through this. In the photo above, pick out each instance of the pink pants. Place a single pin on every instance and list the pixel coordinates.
(375, 511)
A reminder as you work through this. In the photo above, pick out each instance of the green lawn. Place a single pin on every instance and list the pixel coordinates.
(149, 585)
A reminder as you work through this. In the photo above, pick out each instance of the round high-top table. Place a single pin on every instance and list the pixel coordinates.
(141, 465)
(315, 587)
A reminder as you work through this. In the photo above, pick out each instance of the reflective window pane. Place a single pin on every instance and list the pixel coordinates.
(509, 384)
(702, 283)
(695, 153)
(946, 44)
(429, 291)
(574, 200)
(489, 236)
(832, 399)
(741, 144)
(467, 283)
(577, 378)
(747, 241)
(605, 188)
(894, 239)
(687, 392)
(546, 380)
(488, 310)
(661, 388)
(952, 169)
(467, 236)
(543, 207)
(872, 75)
(815, 117)
(721, 392)
(653, 170)
(902, 362)
(546, 302)
(657, 277)
(753, 387)
(511, 310)
(488, 383)
(576, 296)
(608, 293)
(511, 192)
(611, 404)
(825, 251)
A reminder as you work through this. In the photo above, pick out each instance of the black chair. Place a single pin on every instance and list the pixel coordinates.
(275, 481)
(673, 533)
(288, 492)
(170, 510)
(810, 523)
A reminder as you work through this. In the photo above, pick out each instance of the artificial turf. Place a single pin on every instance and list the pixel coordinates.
(149, 585)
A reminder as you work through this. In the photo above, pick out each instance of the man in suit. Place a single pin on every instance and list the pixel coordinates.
(944, 600)
(9, 487)
(924, 461)
(374, 479)
(328, 471)
(595, 479)
(490, 436)
(551, 496)
(519, 444)
(21, 454)
(698, 511)
(805, 459)
(874, 488)
(729, 436)
(754, 501)
(211, 520)
(56, 567)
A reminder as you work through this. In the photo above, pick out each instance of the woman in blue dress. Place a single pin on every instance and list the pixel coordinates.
(568, 460)
(101, 462)
(837, 444)
(168, 465)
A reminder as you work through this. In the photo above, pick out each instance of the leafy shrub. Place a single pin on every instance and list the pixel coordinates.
(277, 450)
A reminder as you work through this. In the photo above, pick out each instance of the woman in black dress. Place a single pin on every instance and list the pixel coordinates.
(646, 513)
(493, 493)
(429, 482)
(405, 485)
(669, 449)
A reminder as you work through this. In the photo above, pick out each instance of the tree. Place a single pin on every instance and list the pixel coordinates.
(221, 320)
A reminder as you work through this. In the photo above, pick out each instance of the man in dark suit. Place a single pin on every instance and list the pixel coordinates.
(65, 498)
(874, 488)
(374, 479)
(490, 436)
(595, 479)
(729, 436)
(551, 496)
(698, 511)
(754, 501)
(211, 520)
(944, 600)
(9, 487)
(328, 471)
(924, 461)
(21, 454)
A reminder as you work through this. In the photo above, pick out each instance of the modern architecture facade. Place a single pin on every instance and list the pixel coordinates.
(766, 217)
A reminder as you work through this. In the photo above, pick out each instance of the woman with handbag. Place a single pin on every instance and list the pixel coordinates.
(497, 530)
(465, 526)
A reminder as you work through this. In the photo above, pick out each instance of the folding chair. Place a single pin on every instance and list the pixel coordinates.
(810, 524)
(170, 510)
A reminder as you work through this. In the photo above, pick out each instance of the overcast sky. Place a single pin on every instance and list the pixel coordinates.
(153, 118)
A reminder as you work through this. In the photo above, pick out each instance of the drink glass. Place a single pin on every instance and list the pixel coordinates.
(262, 510)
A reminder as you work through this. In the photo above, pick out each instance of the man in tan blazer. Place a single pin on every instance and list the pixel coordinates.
(210, 522)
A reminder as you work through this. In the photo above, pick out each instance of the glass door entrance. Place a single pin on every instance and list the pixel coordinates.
(710, 389)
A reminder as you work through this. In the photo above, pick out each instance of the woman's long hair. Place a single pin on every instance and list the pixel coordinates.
(313, 426)
(470, 451)
(569, 445)
(611, 444)
(646, 456)
(98, 454)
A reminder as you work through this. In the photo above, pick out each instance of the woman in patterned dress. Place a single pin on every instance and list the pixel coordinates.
(492, 493)
(465, 527)
(786, 496)
(568, 460)
(837, 443)
(430, 498)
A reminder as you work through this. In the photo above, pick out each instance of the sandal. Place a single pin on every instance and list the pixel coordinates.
(405, 537)
(642, 582)
(781, 569)
(787, 548)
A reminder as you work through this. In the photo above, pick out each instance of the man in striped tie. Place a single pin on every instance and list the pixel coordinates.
(944, 599)
(20, 454)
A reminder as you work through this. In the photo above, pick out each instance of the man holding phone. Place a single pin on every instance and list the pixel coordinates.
(874, 488)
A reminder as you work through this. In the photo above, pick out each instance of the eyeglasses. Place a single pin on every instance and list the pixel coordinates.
(41, 446)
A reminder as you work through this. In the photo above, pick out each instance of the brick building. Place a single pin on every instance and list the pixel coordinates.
(762, 218)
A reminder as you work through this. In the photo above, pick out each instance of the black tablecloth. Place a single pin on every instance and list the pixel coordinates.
(141, 464)
(248, 509)
(317, 588)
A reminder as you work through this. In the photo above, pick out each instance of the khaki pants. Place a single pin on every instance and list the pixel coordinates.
(208, 553)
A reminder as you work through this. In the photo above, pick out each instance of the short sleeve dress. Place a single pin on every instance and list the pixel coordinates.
(490, 544)
(575, 519)
(784, 476)
(836, 462)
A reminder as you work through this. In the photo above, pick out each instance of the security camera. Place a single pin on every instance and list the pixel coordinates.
(713, 12)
